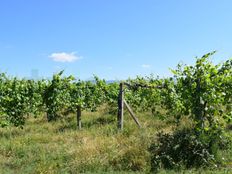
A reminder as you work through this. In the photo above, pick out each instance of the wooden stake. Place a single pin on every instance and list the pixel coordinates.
(120, 107)
(79, 117)
(132, 114)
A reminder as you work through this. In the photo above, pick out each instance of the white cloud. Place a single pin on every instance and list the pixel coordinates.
(146, 66)
(64, 57)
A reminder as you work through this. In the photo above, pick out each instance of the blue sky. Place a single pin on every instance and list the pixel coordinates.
(114, 39)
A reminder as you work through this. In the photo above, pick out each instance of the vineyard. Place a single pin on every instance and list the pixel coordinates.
(200, 94)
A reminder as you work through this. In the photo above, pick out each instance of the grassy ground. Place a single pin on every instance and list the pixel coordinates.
(59, 147)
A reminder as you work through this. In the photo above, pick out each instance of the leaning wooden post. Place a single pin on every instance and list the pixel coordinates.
(120, 107)
(79, 117)
(132, 114)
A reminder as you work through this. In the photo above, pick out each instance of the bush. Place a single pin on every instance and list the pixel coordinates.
(182, 149)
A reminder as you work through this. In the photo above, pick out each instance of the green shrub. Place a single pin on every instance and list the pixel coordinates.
(182, 149)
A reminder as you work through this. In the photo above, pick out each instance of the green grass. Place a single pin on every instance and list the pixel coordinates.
(58, 147)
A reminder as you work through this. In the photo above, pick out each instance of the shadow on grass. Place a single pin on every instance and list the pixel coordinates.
(101, 121)
(95, 122)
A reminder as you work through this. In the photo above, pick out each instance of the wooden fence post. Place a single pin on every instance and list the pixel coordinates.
(79, 117)
(120, 107)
